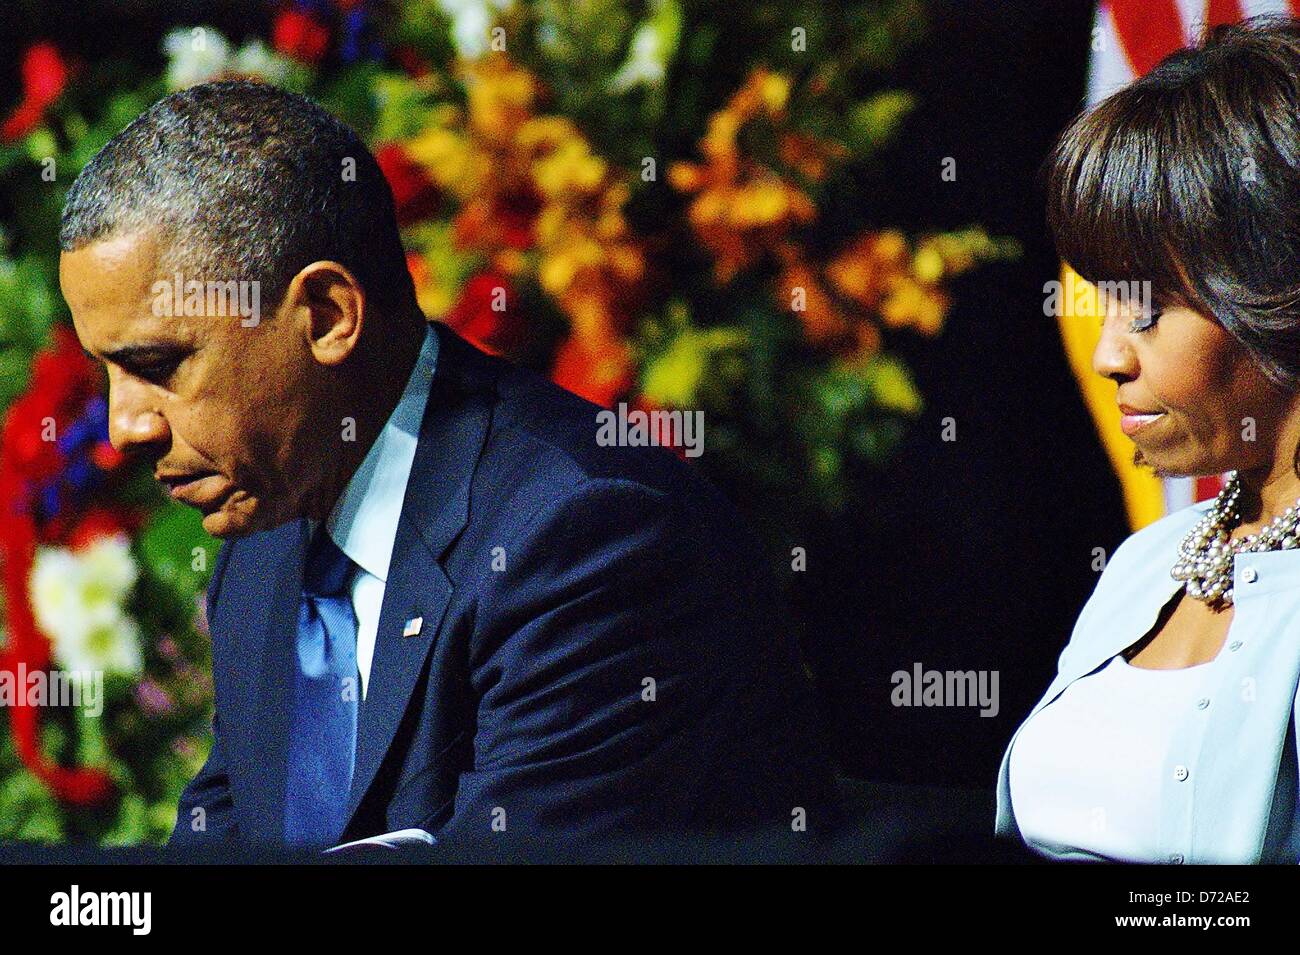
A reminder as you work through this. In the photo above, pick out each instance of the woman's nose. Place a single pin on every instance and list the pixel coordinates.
(1114, 356)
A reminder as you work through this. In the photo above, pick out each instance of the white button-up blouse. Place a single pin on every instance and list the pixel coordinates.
(1227, 790)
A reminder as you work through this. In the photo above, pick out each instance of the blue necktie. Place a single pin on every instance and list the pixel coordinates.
(322, 747)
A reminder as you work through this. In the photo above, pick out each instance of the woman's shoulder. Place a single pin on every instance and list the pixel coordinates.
(1134, 582)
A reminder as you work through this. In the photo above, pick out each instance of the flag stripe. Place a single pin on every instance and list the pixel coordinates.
(1149, 30)
(1223, 11)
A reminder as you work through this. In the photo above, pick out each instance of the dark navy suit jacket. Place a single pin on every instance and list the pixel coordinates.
(525, 698)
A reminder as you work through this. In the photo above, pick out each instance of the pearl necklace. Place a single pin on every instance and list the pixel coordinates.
(1205, 558)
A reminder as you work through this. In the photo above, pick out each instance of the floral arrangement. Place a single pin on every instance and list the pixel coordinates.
(609, 192)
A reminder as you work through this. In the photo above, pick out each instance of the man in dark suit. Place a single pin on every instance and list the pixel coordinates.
(441, 602)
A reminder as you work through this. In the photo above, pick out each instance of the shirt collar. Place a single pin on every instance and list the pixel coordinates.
(364, 520)
(1129, 601)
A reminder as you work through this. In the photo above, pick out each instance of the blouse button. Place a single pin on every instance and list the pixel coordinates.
(1235, 645)
(1203, 702)
(1176, 858)
(1180, 773)
(1250, 575)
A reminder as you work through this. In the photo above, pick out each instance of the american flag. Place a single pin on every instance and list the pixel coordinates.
(1129, 38)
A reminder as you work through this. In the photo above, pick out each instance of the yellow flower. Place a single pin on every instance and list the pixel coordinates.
(500, 97)
(928, 264)
(449, 159)
(569, 171)
(743, 208)
(894, 389)
(774, 88)
(533, 196)
(912, 305)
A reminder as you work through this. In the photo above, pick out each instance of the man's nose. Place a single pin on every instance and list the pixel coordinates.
(133, 422)
(1114, 357)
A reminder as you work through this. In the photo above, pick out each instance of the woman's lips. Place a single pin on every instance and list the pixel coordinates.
(1130, 424)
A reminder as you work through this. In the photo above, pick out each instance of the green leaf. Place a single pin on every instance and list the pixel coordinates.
(28, 812)
(875, 121)
(167, 545)
(892, 386)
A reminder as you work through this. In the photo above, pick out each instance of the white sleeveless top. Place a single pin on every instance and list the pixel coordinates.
(1086, 771)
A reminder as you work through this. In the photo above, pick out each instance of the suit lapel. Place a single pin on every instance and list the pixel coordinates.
(253, 682)
(435, 509)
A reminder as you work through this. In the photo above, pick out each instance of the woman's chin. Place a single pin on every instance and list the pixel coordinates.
(1168, 467)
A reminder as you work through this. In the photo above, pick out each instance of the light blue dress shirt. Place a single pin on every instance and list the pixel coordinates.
(364, 520)
(1229, 784)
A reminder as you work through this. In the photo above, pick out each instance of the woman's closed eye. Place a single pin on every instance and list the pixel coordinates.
(1144, 322)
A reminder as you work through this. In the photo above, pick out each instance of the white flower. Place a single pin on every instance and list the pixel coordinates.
(195, 55)
(77, 599)
(255, 58)
(653, 44)
(644, 63)
(470, 22)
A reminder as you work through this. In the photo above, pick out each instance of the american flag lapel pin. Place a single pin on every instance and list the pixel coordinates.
(413, 626)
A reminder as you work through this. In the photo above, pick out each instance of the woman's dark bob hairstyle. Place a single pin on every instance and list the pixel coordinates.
(1190, 178)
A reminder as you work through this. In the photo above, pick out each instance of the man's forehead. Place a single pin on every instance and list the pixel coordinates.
(109, 287)
(109, 270)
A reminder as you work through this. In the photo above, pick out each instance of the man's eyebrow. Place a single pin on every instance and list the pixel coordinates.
(129, 355)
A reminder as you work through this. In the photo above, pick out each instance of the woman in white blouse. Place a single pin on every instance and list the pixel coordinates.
(1169, 733)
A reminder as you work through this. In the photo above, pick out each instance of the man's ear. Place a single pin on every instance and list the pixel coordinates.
(329, 305)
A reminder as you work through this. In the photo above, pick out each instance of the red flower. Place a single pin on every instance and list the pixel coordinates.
(415, 196)
(300, 35)
(517, 212)
(45, 74)
(599, 372)
(62, 380)
(662, 435)
(411, 61)
(106, 457)
(487, 314)
(506, 220)
(97, 524)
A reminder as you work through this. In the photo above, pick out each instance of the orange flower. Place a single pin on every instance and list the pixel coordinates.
(800, 290)
(884, 274)
(867, 268)
(808, 155)
(535, 201)
(743, 207)
(598, 371)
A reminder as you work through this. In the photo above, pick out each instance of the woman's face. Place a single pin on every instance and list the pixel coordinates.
(1193, 401)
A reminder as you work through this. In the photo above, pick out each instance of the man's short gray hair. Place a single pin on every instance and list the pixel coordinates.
(245, 181)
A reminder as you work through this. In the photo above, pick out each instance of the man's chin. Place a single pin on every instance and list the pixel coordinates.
(219, 524)
(230, 522)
